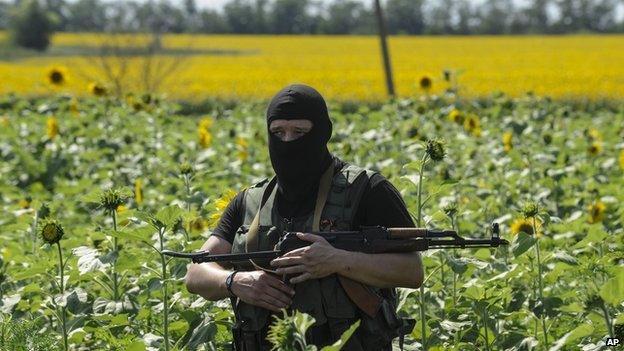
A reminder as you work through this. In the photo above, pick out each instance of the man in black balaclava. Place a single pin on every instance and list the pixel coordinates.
(299, 163)
(309, 279)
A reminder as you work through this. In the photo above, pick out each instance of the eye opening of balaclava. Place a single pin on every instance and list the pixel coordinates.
(299, 163)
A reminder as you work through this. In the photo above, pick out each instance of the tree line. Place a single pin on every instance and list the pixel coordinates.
(459, 17)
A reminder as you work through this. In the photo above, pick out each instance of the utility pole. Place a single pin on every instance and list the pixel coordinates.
(384, 48)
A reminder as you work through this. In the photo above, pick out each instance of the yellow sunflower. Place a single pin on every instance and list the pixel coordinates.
(206, 123)
(594, 134)
(242, 146)
(456, 116)
(596, 212)
(205, 137)
(595, 148)
(203, 130)
(197, 224)
(525, 225)
(425, 83)
(57, 76)
(473, 125)
(52, 127)
(220, 205)
(138, 191)
(97, 89)
(507, 138)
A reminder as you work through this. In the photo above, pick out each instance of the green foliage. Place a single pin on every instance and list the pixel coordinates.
(31, 26)
(24, 335)
(288, 333)
(473, 298)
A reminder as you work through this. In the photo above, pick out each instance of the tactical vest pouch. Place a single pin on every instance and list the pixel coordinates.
(335, 301)
(377, 333)
(248, 340)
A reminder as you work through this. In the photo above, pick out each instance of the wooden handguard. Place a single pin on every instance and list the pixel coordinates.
(407, 233)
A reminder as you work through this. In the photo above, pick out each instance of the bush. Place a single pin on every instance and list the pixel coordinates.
(31, 26)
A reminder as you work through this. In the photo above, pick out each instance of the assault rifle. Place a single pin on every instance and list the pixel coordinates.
(369, 239)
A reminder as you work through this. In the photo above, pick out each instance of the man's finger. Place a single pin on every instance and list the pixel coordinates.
(292, 269)
(311, 237)
(280, 285)
(296, 252)
(300, 278)
(267, 305)
(286, 261)
(279, 297)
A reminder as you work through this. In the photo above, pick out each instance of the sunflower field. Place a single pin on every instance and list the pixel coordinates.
(93, 189)
(343, 67)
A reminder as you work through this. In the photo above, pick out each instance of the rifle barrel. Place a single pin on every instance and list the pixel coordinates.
(409, 233)
(205, 256)
(467, 243)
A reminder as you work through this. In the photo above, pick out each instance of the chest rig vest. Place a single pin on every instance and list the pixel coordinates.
(325, 299)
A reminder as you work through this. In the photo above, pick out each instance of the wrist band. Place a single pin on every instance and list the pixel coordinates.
(228, 282)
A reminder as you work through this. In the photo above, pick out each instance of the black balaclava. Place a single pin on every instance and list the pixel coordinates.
(299, 163)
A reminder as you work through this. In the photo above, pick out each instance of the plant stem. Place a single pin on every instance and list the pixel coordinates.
(188, 192)
(420, 176)
(607, 319)
(539, 281)
(443, 279)
(63, 309)
(34, 231)
(163, 263)
(485, 328)
(114, 266)
(453, 225)
(187, 182)
(422, 286)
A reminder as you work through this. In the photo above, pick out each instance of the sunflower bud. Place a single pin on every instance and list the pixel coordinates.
(530, 210)
(112, 199)
(51, 231)
(44, 211)
(186, 168)
(450, 209)
(435, 149)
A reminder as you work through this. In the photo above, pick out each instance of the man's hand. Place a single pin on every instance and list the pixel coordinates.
(314, 261)
(261, 289)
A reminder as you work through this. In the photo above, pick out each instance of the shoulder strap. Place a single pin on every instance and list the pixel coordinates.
(321, 198)
(251, 242)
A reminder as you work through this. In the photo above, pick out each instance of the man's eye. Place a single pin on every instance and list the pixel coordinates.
(278, 133)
